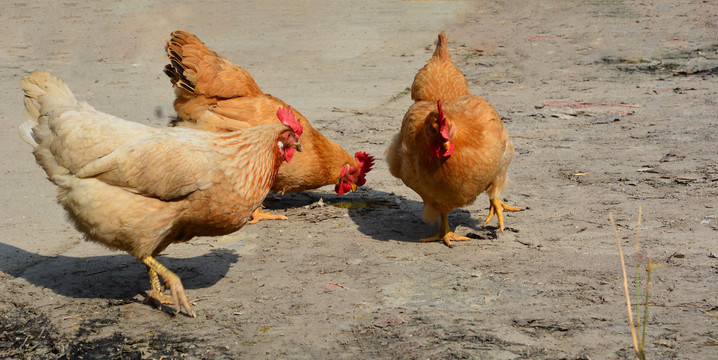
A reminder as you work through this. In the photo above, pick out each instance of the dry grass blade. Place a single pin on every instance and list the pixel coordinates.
(638, 268)
(709, 314)
(625, 287)
(638, 230)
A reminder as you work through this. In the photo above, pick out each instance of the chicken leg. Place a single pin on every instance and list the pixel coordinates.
(498, 207)
(171, 281)
(445, 234)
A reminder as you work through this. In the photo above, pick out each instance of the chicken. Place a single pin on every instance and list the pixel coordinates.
(452, 146)
(215, 95)
(139, 189)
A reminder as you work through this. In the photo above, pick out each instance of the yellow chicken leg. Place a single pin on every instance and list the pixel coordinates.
(171, 281)
(258, 214)
(498, 207)
(445, 234)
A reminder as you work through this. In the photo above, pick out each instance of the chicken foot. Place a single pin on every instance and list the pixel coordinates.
(498, 207)
(445, 234)
(171, 281)
(258, 214)
(157, 291)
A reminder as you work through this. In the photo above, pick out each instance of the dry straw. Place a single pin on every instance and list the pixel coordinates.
(639, 341)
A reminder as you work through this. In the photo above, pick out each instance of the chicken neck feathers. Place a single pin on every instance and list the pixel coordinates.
(480, 142)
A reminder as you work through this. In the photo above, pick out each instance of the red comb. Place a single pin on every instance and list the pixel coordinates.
(286, 116)
(365, 162)
(443, 129)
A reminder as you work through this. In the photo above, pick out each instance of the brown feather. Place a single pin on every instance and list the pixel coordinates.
(480, 142)
(439, 79)
(482, 149)
(226, 98)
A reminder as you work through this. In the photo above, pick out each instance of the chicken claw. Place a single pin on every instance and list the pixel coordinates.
(171, 281)
(498, 207)
(158, 298)
(156, 295)
(446, 238)
(258, 214)
(445, 234)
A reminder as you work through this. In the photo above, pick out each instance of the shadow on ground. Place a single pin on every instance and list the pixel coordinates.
(389, 217)
(116, 276)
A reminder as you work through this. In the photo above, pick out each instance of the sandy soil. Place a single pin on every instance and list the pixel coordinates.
(611, 105)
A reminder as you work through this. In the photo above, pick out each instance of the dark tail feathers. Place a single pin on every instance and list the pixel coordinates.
(175, 70)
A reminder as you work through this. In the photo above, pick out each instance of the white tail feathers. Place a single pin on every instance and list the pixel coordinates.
(26, 134)
(45, 93)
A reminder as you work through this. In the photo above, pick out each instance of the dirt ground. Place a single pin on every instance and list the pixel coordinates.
(611, 106)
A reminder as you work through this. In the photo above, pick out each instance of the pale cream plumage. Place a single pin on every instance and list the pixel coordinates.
(137, 188)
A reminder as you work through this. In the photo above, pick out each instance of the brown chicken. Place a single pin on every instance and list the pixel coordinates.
(139, 189)
(452, 146)
(215, 95)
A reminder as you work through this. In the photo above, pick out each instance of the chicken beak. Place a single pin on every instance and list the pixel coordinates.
(447, 145)
(298, 146)
(354, 187)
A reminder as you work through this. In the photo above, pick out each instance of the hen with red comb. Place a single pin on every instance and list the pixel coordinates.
(215, 95)
(352, 177)
(452, 146)
(286, 117)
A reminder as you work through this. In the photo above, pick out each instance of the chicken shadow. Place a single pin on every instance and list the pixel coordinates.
(389, 217)
(119, 277)
(291, 200)
(384, 216)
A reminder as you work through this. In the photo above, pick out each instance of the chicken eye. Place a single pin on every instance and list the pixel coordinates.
(430, 130)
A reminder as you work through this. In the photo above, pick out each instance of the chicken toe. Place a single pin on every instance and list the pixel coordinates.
(445, 234)
(498, 207)
(177, 295)
(157, 298)
(258, 214)
(447, 238)
(156, 294)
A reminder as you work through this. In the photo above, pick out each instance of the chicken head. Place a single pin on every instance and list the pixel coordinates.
(352, 177)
